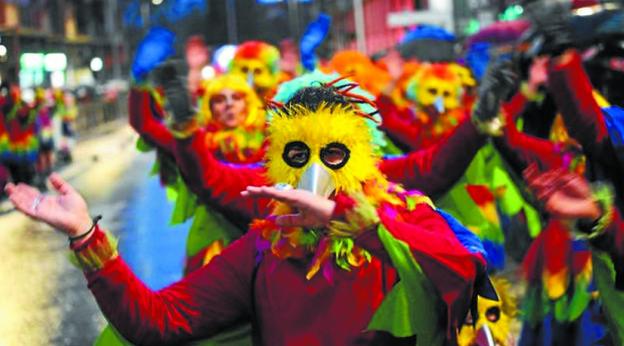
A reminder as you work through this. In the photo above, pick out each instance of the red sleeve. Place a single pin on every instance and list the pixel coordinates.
(146, 116)
(514, 108)
(397, 123)
(437, 168)
(573, 95)
(521, 149)
(450, 267)
(202, 304)
(219, 183)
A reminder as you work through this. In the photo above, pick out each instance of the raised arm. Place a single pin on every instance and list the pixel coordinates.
(218, 183)
(521, 149)
(203, 303)
(573, 94)
(397, 124)
(146, 118)
(437, 168)
(211, 299)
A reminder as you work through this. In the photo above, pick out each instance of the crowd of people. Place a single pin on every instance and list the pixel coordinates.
(36, 133)
(373, 202)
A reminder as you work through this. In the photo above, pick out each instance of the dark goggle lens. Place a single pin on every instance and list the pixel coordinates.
(335, 155)
(296, 154)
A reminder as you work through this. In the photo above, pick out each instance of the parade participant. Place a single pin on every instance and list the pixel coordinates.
(65, 113)
(432, 170)
(345, 257)
(45, 134)
(436, 91)
(23, 143)
(229, 111)
(493, 324)
(586, 244)
(485, 197)
(259, 63)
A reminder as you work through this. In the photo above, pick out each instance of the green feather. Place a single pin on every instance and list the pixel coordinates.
(413, 306)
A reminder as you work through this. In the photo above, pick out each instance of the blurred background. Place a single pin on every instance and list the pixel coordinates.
(80, 53)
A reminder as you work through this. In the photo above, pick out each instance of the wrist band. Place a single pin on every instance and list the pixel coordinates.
(78, 237)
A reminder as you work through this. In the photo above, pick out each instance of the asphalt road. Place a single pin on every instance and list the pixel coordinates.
(44, 299)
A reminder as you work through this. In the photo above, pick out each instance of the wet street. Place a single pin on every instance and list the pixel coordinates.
(44, 299)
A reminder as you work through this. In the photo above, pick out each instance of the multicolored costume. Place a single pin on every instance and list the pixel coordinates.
(432, 170)
(258, 63)
(23, 144)
(389, 268)
(563, 303)
(485, 198)
(242, 144)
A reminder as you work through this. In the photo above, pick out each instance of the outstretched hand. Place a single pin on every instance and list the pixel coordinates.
(67, 211)
(564, 194)
(313, 210)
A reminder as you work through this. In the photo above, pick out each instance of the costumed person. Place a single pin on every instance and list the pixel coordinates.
(197, 57)
(494, 323)
(23, 143)
(234, 122)
(590, 243)
(44, 127)
(345, 257)
(436, 91)
(561, 305)
(432, 170)
(65, 113)
(485, 198)
(259, 63)
(6, 104)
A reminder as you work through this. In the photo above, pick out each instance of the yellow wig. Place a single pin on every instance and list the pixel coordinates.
(256, 116)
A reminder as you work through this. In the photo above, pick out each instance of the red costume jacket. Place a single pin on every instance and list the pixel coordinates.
(243, 284)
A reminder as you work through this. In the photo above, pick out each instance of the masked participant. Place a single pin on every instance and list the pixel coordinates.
(45, 134)
(432, 170)
(436, 91)
(346, 257)
(258, 62)
(494, 321)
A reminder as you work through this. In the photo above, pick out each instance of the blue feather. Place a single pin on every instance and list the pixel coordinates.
(468, 239)
(312, 38)
(155, 48)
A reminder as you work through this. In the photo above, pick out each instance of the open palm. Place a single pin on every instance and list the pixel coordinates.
(67, 211)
